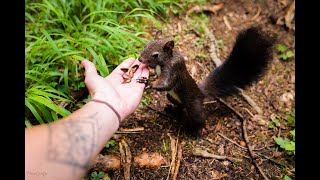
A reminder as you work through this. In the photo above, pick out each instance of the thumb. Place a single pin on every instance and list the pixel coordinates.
(90, 69)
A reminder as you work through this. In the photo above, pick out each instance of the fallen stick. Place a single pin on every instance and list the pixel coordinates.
(125, 158)
(134, 130)
(178, 162)
(230, 140)
(206, 154)
(245, 136)
(173, 145)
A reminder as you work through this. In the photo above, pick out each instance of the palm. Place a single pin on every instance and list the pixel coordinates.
(125, 97)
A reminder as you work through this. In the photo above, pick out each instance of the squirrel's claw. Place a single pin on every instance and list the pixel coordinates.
(144, 80)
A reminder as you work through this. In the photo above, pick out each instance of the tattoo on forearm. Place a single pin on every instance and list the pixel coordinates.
(73, 143)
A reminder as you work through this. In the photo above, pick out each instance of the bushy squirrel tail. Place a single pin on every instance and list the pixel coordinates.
(245, 64)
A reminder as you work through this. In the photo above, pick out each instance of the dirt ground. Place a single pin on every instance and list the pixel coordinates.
(274, 94)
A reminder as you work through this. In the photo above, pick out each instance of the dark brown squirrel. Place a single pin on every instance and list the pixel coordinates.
(245, 64)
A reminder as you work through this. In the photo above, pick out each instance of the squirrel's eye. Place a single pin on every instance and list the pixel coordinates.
(155, 54)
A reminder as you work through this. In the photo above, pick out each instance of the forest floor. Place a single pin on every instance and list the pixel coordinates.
(223, 134)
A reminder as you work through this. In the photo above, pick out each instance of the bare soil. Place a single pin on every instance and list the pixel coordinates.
(274, 94)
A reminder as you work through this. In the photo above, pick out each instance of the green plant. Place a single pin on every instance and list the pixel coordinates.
(97, 176)
(220, 44)
(145, 101)
(60, 34)
(110, 143)
(286, 178)
(290, 117)
(287, 144)
(283, 53)
(273, 123)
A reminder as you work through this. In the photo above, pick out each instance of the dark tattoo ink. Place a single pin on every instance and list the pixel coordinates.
(79, 138)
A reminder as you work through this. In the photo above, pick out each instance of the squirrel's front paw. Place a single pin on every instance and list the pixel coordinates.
(148, 87)
(144, 80)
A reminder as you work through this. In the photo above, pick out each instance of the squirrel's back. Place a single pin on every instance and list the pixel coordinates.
(245, 64)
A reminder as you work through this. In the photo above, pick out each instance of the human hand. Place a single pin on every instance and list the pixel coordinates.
(125, 98)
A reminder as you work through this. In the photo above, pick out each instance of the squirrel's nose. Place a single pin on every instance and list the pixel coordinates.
(140, 59)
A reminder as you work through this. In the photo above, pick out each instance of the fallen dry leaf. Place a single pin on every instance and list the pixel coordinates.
(149, 160)
(214, 8)
(106, 163)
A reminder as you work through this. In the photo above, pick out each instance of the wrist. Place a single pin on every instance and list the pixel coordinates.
(113, 101)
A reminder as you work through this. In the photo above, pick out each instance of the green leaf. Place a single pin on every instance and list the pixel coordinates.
(33, 110)
(281, 48)
(94, 174)
(287, 178)
(285, 144)
(101, 174)
(293, 132)
(283, 56)
(289, 54)
(291, 119)
(27, 123)
(110, 143)
(276, 122)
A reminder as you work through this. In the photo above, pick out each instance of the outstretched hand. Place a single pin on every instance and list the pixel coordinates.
(126, 97)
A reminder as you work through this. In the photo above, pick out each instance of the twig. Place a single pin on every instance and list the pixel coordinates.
(178, 162)
(173, 146)
(272, 160)
(289, 16)
(232, 141)
(250, 102)
(125, 158)
(204, 153)
(249, 112)
(214, 53)
(134, 130)
(209, 102)
(226, 22)
(257, 15)
(245, 136)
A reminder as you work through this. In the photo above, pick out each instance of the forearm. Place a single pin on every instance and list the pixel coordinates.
(65, 149)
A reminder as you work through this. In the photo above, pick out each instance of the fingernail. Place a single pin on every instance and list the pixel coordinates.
(84, 63)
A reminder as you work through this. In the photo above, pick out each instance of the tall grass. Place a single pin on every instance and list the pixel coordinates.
(61, 33)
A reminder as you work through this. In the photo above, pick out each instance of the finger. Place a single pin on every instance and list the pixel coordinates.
(90, 69)
(125, 64)
(141, 72)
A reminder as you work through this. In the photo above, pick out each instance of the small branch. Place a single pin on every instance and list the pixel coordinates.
(173, 143)
(209, 102)
(125, 158)
(214, 53)
(257, 15)
(206, 154)
(232, 141)
(134, 130)
(245, 136)
(272, 160)
(226, 22)
(251, 102)
(178, 162)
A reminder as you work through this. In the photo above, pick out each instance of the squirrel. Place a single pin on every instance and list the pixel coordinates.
(246, 63)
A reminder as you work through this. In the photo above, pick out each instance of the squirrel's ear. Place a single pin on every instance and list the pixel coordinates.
(158, 34)
(168, 46)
